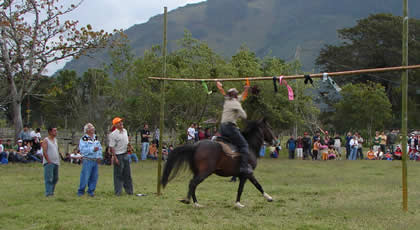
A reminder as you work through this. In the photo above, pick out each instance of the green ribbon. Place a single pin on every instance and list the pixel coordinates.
(205, 87)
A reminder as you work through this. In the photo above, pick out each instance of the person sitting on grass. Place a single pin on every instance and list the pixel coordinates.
(107, 156)
(398, 153)
(31, 153)
(164, 152)
(379, 154)
(8, 148)
(332, 153)
(75, 157)
(3, 154)
(273, 152)
(131, 154)
(153, 152)
(412, 154)
(67, 158)
(371, 155)
(388, 156)
(417, 156)
(20, 152)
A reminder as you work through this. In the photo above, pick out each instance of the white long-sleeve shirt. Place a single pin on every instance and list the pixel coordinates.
(353, 143)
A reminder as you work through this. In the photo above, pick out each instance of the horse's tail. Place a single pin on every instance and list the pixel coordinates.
(177, 160)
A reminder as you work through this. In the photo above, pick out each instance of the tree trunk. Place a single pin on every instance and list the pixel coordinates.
(17, 116)
(17, 108)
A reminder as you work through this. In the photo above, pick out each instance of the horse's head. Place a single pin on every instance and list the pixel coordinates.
(267, 131)
(256, 132)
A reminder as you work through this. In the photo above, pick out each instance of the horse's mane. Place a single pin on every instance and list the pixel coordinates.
(253, 135)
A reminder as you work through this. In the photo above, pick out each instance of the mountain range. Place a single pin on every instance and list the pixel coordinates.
(287, 29)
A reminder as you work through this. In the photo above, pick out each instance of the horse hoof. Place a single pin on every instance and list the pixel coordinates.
(268, 197)
(185, 201)
(239, 205)
(197, 205)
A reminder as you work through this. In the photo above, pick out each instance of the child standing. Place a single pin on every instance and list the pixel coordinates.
(316, 149)
(299, 149)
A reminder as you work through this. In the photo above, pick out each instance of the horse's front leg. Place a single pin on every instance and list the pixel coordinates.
(242, 180)
(259, 187)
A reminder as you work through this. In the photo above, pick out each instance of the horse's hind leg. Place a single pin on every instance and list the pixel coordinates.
(194, 182)
(259, 187)
(242, 180)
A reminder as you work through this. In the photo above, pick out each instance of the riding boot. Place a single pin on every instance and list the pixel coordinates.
(245, 168)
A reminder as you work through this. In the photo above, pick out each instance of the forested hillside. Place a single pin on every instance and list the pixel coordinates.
(285, 29)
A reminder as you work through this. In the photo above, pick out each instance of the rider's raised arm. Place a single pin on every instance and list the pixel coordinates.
(244, 94)
(220, 87)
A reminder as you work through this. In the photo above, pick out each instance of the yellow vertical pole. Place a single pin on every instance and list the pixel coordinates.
(162, 103)
(404, 85)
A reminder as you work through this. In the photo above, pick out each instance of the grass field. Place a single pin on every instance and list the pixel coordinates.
(307, 195)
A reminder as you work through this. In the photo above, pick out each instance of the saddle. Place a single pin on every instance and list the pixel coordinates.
(228, 147)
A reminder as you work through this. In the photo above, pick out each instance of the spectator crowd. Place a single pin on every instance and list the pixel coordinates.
(30, 147)
(384, 146)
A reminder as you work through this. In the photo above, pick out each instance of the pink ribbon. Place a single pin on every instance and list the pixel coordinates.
(289, 88)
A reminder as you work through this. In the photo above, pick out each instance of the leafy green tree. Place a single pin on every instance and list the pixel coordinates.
(364, 107)
(375, 42)
(32, 35)
(96, 92)
(62, 104)
(246, 63)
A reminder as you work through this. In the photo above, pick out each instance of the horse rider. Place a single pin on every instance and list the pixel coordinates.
(232, 111)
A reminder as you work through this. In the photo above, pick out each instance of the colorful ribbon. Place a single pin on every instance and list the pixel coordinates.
(308, 79)
(332, 82)
(245, 94)
(289, 88)
(206, 88)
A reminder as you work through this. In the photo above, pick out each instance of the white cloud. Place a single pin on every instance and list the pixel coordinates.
(118, 14)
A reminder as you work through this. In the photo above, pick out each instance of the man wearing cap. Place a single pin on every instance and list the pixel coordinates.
(232, 111)
(91, 151)
(118, 143)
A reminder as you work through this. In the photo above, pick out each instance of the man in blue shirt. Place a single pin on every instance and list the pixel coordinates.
(91, 151)
(25, 134)
(291, 146)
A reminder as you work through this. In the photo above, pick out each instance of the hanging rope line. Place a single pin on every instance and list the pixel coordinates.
(317, 75)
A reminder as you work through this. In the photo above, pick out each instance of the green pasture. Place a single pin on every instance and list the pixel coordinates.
(307, 195)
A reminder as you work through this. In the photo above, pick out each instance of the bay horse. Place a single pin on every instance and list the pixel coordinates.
(207, 157)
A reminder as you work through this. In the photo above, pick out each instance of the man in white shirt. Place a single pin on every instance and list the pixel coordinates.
(354, 145)
(118, 143)
(191, 134)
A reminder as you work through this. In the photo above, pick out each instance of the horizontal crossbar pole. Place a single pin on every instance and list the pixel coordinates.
(317, 75)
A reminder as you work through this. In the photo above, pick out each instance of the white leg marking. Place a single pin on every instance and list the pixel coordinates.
(197, 205)
(239, 205)
(268, 197)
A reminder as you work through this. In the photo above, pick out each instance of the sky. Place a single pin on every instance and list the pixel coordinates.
(117, 14)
